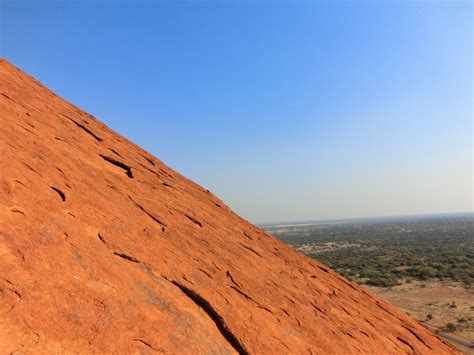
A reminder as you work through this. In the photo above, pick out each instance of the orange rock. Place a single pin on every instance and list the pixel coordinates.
(104, 249)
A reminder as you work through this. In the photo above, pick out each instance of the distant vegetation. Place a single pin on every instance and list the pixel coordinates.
(383, 253)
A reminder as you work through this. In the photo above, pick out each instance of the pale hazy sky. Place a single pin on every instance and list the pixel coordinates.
(285, 110)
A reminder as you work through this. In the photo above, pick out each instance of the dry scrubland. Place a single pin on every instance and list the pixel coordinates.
(423, 265)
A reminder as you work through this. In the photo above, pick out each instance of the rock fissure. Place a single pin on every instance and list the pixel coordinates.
(85, 129)
(418, 337)
(116, 252)
(7, 97)
(114, 151)
(126, 257)
(219, 321)
(147, 344)
(231, 278)
(17, 210)
(148, 214)
(406, 343)
(148, 159)
(26, 129)
(250, 249)
(128, 169)
(60, 192)
(194, 220)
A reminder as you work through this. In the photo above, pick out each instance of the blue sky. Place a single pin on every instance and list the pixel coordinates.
(286, 110)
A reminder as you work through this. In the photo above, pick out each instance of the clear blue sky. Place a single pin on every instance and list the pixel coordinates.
(286, 110)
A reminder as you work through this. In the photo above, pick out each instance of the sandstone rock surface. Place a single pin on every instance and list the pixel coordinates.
(104, 249)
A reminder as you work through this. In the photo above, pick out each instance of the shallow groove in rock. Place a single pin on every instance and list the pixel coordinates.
(16, 210)
(8, 97)
(247, 297)
(250, 249)
(127, 257)
(115, 252)
(417, 337)
(102, 239)
(194, 220)
(318, 308)
(324, 269)
(247, 235)
(60, 193)
(26, 129)
(406, 343)
(168, 185)
(148, 159)
(367, 335)
(147, 344)
(148, 213)
(212, 313)
(84, 128)
(128, 169)
(114, 151)
(231, 278)
(164, 172)
(205, 273)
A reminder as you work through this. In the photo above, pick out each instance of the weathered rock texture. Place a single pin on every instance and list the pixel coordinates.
(105, 249)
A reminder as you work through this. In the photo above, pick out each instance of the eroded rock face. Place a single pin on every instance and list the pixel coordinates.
(105, 249)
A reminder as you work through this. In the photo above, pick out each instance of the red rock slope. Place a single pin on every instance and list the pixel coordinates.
(105, 249)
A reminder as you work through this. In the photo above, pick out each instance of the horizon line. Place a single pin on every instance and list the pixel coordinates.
(349, 219)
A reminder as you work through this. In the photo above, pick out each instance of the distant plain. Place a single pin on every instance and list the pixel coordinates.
(422, 264)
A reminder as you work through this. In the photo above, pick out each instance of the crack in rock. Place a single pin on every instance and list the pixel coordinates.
(418, 337)
(406, 343)
(149, 214)
(231, 278)
(147, 344)
(191, 218)
(128, 169)
(250, 249)
(127, 257)
(219, 321)
(60, 192)
(115, 252)
(84, 128)
(17, 210)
